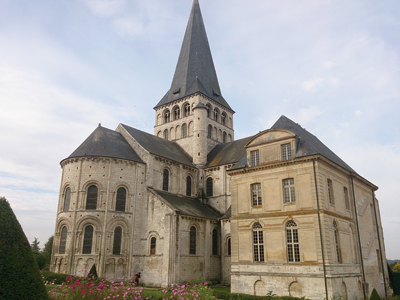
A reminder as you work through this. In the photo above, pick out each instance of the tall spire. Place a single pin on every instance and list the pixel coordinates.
(195, 70)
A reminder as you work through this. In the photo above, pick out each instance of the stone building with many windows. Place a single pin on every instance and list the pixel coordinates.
(277, 211)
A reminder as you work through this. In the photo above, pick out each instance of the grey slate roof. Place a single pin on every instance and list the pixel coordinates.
(195, 71)
(158, 146)
(188, 206)
(307, 144)
(227, 153)
(104, 142)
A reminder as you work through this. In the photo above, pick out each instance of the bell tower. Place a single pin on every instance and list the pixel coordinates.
(193, 112)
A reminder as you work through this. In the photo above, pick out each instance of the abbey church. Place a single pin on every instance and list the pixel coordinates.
(277, 211)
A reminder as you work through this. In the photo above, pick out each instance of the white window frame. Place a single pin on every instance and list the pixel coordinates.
(286, 150)
(256, 199)
(289, 192)
(254, 158)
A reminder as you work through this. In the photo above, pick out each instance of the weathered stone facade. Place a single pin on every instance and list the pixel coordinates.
(277, 211)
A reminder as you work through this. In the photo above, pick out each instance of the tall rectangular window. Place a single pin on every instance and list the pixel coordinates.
(288, 191)
(256, 194)
(292, 242)
(255, 158)
(346, 197)
(258, 242)
(330, 192)
(286, 151)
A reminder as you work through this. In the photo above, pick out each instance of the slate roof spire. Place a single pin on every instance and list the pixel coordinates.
(195, 71)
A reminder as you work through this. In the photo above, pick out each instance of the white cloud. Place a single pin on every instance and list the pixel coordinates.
(105, 8)
(310, 85)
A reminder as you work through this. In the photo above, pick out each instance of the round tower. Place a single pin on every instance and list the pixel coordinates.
(200, 135)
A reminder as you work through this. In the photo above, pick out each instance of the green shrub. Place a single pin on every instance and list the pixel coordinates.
(374, 295)
(20, 277)
(55, 278)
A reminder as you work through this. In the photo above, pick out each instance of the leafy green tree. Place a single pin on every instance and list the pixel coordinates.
(40, 259)
(396, 268)
(20, 278)
(48, 248)
(35, 244)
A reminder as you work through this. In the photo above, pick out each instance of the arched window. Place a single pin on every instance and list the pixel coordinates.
(117, 240)
(165, 180)
(224, 137)
(209, 132)
(167, 116)
(153, 242)
(67, 199)
(186, 108)
(87, 240)
(223, 118)
(166, 134)
(63, 240)
(215, 242)
(121, 199)
(192, 246)
(188, 186)
(337, 245)
(228, 242)
(184, 130)
(216, 114)
(91, 200)
(330, 192)
(209, 187)
(292, 241)
(258, 242)
(209, 109)
(177, 112)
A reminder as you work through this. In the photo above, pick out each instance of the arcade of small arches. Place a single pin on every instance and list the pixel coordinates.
(185, 110)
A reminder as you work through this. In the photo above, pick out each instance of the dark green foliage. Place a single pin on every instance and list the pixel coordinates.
(56, 278)
(35, 244)
(93, 272)
(41, 261)
(20, 278)
(48, 248)
(374, 295)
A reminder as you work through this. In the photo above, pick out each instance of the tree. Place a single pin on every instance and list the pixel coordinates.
(20, 278)
(396, 268)
(374, 295)
(48, 248)
(35, 244)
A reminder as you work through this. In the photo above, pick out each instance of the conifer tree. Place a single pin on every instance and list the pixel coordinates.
(20, 278)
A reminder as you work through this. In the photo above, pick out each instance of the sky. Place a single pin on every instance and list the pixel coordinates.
(68, 65)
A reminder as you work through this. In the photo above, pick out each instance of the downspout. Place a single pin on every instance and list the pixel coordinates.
(320, 231)
(379, 242)
(358, 235)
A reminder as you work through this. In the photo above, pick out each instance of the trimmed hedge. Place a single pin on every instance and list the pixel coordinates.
(374, 295)
(20, 277)
(56, 278)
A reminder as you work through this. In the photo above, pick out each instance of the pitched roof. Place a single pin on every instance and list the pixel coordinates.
(188, 206)
(308, 144)
(104, 142)
(195, 71)
(158, 146)
(227, 153)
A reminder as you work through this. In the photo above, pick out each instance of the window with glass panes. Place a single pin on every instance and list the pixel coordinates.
(192, 242)
(165, 180)
(215, 242)
(330, 192)
(286, 151)
(117, 240)
(87, 240)
(121, 199)
(337, 245)
(292, 242)
(63, 240)
(67, 199)
(184, 130)
(153, 241)
(91, 200)
(209, 187)
(255, 158)
(256, 194)
(288, 191)
(258, 242)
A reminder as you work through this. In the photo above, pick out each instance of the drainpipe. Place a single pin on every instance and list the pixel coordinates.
(320, 231)
(379, 242)
(358, 235)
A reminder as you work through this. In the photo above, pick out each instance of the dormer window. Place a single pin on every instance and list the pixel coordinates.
(286, 150)
(254, 158)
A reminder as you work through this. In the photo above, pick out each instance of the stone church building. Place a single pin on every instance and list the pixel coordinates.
(277, 211)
